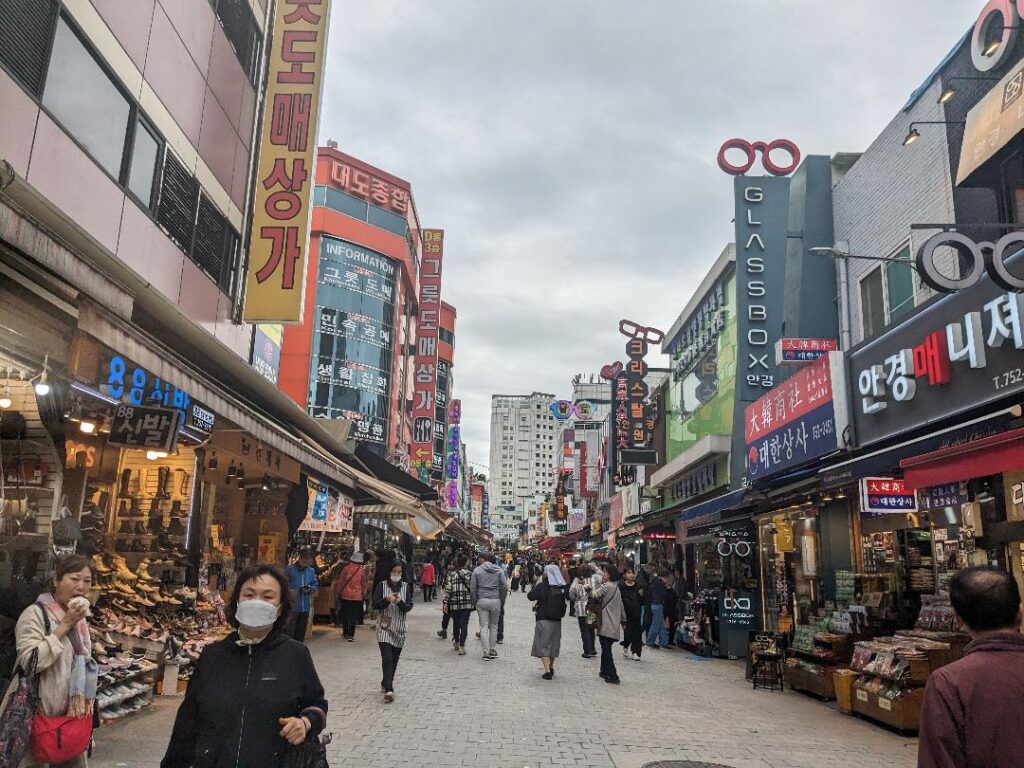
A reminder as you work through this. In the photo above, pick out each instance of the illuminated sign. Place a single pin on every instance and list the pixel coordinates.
(981, 257)
(425, 361)
(275, 284)
(801, 351)
(750, 151)
(566, 409)
(132, 384)
(634, 416)
(886, 496)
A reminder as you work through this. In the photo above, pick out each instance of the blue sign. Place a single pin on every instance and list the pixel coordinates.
(132, 384)
(939, 496)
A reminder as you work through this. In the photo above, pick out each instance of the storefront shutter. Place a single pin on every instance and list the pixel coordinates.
(179, 196)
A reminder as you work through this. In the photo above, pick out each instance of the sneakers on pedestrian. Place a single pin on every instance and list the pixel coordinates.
(442, 634)
(625, 652)
(350, 639)
(634, 656)
(389, 696)
(487, 657)
(462, 651)
(494, 654)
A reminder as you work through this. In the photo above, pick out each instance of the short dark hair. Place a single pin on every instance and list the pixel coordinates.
(985, 598)
(306, 553)
(252, 573)
(460, 562)
(612, 571)
(72, 564)
(585, 570)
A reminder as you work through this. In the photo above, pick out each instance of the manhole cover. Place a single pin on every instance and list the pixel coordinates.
(683, 764)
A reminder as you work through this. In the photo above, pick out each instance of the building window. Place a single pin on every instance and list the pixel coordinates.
(872, 303)
(145, 160)
(84, 99)
(242, 32)
(26, 33)
(448, 337)
(899, 285)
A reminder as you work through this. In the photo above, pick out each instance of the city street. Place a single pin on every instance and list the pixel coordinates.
(462, 711)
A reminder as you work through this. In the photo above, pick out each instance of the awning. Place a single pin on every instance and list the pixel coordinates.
(989, 456)
(389, 473)
(718, 504)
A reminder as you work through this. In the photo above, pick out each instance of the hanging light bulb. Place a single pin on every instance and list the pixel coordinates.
(156, 455)
(87, 427)
(266, 482)
(213, 461)
(43, 386)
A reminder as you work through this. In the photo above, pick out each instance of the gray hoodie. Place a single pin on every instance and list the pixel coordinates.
(489, 582)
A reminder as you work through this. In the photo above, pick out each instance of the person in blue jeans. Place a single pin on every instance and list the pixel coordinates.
(657, 635)
(303, 581)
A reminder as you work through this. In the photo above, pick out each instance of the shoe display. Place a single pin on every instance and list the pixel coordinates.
(175, 528)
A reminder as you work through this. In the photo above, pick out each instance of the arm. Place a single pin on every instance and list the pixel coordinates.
(181, 750)
(472, 587)
(314, 584)
(503, 585)
(406, 605)
(535, 592)
(941, 743)
(30, 635)
(380, 602)
(312, 701)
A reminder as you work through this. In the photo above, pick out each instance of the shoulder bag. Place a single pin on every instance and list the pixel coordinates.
(16, 719)
(312, 753)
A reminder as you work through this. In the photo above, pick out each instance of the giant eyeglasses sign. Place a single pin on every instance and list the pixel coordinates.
(751, 149)
(983, 257)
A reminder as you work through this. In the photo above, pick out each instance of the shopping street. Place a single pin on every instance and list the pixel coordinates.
(461, 711)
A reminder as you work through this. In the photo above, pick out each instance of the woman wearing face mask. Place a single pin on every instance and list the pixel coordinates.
(55, 628)
(392, 599)
(254, 692)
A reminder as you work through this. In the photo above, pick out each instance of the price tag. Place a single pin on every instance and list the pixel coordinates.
(884, 703)
(862, 695)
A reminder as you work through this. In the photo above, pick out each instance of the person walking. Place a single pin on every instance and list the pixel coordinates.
(427, 576)
(515, 577)
(632, 607)
(369, 569)
(579, 593)
(54, 628)
(458, 602)
(393, 599)
(303, 582)
(658, 595)
(525, 576)
(253, 693)
(971, 716)
(350, 588)
(551, 595)
(612, 615)
(488, 589)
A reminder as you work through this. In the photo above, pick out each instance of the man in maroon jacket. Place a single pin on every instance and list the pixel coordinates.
(972, 715)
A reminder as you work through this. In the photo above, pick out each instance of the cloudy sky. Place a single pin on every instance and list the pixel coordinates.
(567, 147)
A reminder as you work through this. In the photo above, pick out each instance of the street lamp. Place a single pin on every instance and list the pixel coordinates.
(913, 134)
(834, 253)
(949, 92)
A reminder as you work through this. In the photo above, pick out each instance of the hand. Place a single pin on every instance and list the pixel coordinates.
(74, 614)
(294, 730)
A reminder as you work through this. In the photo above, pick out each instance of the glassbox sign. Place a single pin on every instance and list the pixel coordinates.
(961, 352)
(886, 496)
(353, 337)
(803, 418)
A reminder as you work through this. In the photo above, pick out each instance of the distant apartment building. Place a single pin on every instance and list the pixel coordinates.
(524, 451)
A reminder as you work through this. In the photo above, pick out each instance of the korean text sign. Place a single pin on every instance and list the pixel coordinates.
(799, 420)
(886, 496)
(143, 428)
(275, 283)
(425, 360)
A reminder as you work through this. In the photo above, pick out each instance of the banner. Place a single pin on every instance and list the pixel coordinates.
(279, 238)
(327, 510)
(425, 361)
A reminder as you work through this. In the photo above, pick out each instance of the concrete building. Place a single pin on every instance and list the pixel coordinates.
(524, 450)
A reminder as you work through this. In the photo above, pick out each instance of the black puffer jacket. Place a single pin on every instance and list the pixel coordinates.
(229, 718)
(551, 601)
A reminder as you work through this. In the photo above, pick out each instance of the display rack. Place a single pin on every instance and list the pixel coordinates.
(813, 657)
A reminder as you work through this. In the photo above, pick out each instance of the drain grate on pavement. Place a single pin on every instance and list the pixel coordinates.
(683, 764)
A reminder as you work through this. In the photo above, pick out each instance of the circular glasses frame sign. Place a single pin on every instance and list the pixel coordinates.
(766, 149)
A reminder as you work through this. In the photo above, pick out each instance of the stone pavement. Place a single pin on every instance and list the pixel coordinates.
(462, 711)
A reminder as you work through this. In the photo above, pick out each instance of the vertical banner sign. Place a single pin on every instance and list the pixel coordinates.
(762, 226)
(276, 275)
(425, 360)
(634, 414)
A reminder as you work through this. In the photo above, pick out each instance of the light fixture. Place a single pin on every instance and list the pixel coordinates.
(992, 47)
(840, 494)
(43, 386)
(87, 427)
(155, 455)
(266, 482)
(912, 136)
(947, 95)
(949, 91)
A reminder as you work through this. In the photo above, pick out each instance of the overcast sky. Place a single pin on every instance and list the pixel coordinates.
(567, 147)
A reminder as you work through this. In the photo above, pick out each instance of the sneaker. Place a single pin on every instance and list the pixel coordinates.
(350, 639)
(442, 634)
(487, 657)
(462, 651)
(389, 696)
(494, 654)
(634, 656)
(625, 652)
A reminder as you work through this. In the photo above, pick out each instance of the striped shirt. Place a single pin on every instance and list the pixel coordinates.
(456, 588)
(391, 620)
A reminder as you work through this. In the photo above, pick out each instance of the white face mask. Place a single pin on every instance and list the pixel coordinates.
(256, 614)
(395, 579)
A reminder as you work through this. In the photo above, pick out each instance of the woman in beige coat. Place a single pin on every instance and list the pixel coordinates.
(67, 673)
(613, 615)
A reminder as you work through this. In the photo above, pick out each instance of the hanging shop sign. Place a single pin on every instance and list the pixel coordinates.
(441, 421)
(425, 361)
(805, 417)
(700, 333)
(615, 518)
(454, 444)
(266, 350)
(751, 150)
(353, 338)
(485, 513)
(801, 351)
(959, 353)
(390, 194)
(451, 494)
(982, 257)
(635, 417)
(762, 226)
(275, 285)
(144, 428)
(940, 496)
(886, 496)
(583, 410)
(327, 510)
(577, 519)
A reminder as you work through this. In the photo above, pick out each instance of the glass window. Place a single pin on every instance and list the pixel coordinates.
(86, 101)
(145, 160)
(872, 304)
(899, 280)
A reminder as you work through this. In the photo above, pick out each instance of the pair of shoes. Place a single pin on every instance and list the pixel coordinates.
(487, 657)
(501, 640)
(494, 654)
(635, 656)
(442, 634)
(389, 696)
(462, 651)
(350, 639)
(655, 647)
(612, 680)
(548, 675)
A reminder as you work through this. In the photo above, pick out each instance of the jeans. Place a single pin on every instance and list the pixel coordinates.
(389, 663)
(428, 590)
(587, 635)
(633, 638)
(461, 618)
(445, 621)
(488, 610)
(657, 633)
(299, 625)
(350, 610)
(608, 659)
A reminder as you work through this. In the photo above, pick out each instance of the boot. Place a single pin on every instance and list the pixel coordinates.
(154, 506)
(176, 510)
(122, 508)
(126, 477)
(136, 507)
(176, 528)
(156, 523)
(126, 528)
(140, 529)
(163, 481)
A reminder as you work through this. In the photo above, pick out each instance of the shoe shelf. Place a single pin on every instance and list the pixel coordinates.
(812, 660)
(102, 687)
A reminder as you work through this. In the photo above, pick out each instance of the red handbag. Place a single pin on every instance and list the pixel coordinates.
(59, 739)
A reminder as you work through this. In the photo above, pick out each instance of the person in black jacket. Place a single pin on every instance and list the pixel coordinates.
(658, 595)
(393, 599)
(254, 692)
(551, 595)
(632, 605)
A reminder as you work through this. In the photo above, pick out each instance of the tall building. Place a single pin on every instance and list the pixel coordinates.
(445, 385)
(350, 357)
(524, 451)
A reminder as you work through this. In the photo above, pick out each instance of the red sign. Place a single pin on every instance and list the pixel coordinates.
(371, 188)
(790, 400)
(800, 351)
(425, 360)
(751, 150)
(885, 495)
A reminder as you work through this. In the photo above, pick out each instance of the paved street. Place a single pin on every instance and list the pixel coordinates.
(462, 711)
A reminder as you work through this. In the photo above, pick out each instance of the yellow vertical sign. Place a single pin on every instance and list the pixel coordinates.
(276, 273)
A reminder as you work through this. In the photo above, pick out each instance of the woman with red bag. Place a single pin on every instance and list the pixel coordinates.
(55, 629)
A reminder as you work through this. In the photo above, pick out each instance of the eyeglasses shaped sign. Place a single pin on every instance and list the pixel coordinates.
(766, 149)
